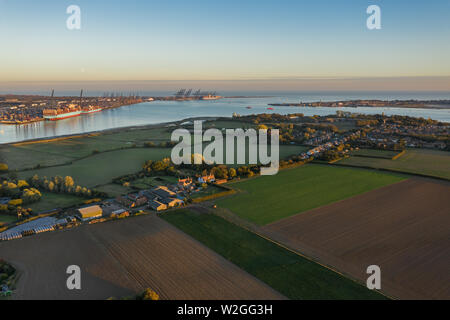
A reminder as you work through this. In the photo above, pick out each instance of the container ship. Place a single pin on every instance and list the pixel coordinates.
(211, 97)
(61, 113)
(91, 109)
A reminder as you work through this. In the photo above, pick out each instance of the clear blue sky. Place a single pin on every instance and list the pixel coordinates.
(231, 40)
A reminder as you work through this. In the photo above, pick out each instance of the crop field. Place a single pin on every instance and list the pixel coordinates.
(100, 169)
(262, 201)
(372, 153)
(428, 162)
(51, 201)
(403, 228)
(122, 258)
(287, 272)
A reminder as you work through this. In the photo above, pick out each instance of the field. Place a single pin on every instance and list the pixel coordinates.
(113, 190)
(372, 153)
(100, 169)
(58, 151)
(51, 201)
(4, 219)
(20, 158)
(122, 259)
(150, 182)
(428, 162)
(403, 228)
(210, 190)
(263, 201)
(287, 272)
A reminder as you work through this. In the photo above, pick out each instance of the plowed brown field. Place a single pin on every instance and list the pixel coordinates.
(122, 258)
(404, 228)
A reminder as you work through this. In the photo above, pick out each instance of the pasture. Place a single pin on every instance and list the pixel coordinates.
(288, 273)
(101, 168)
(372, 153)
(50, 201)
(266, 199)
(421, 161)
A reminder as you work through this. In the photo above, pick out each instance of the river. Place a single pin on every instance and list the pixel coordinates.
(167, 111)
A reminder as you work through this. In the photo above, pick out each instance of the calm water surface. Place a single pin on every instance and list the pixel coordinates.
(158, 112)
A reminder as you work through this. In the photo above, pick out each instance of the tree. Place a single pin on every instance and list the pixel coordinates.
(232, 172)
(22, 183)
(68, 183)
(3, 167)
(149, 294)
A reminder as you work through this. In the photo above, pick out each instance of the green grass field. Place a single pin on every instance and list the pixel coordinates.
(100, 169)
(150, 182)
(384, 154)
(267, 199)
(207, 192)
(51, 201)
(22, 156)
(19, 158)
(113, 189)
(421, 161)
(5, 219)
(288, 273)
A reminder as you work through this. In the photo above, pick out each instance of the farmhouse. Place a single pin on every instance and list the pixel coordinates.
(207, 178)
(185, 182)
(89, 213)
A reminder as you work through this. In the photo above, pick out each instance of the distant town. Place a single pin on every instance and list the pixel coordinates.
(423, 104)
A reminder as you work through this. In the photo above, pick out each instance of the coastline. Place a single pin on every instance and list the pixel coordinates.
(105, 131)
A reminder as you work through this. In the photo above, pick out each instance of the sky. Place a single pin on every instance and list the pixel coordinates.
(281, 43)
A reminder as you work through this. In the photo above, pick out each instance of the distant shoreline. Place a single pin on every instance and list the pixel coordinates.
(110, 130)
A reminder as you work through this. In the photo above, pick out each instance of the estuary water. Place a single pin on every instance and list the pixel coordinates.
(167, 111)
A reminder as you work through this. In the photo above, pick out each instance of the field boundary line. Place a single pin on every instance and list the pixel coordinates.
(421, 175)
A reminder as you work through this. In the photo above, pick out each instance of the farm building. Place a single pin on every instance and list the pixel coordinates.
(137, 200)
(163, 192)
(89, 213)
(171, 202)
(156, 205)
(208, 178)
(221, 181)
(120, 214)
(185, 182)
(4, 200)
